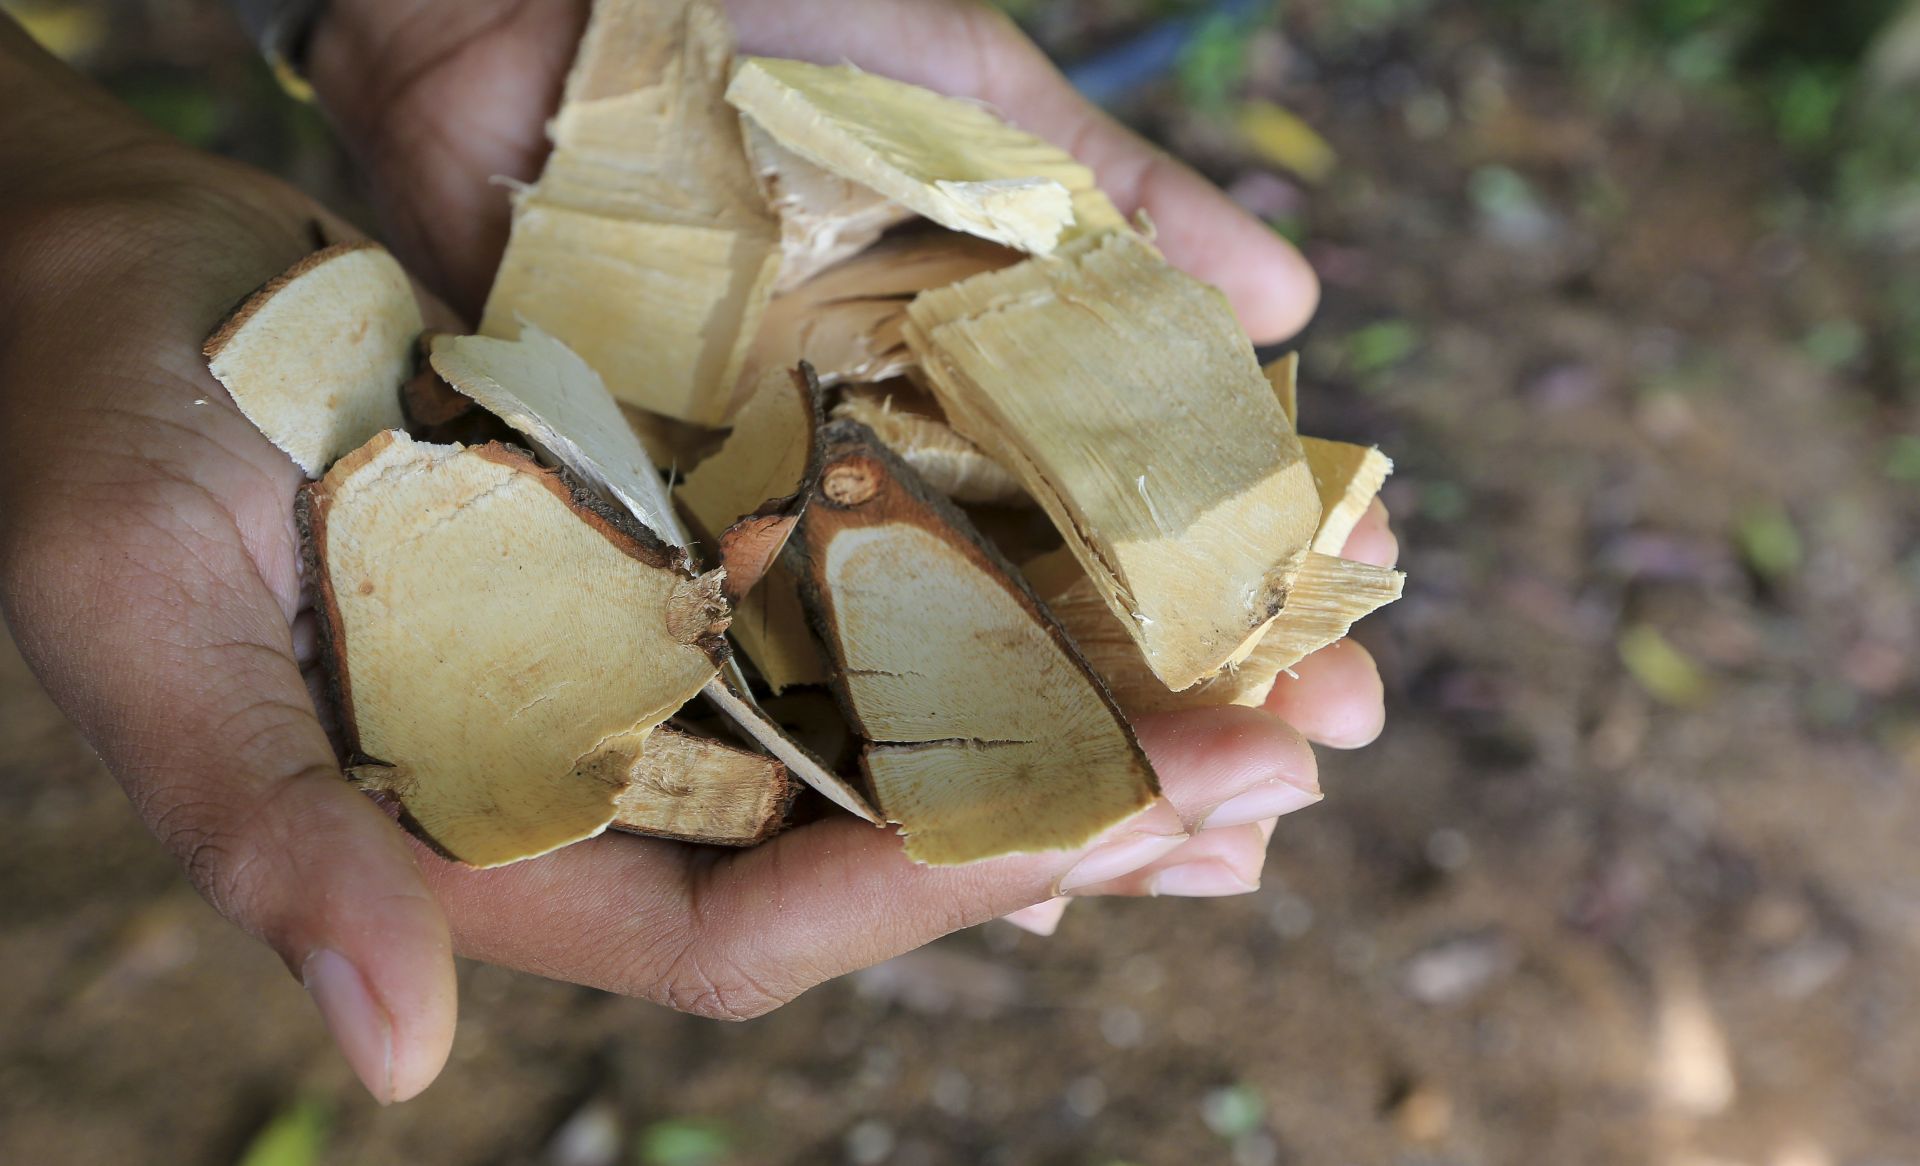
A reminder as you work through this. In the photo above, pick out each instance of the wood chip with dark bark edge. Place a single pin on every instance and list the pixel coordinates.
(494, 636)
(987, 733)
(315, 358)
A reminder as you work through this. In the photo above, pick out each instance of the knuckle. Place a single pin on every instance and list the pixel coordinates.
(231, 848)
(717, 987)
(217, 859)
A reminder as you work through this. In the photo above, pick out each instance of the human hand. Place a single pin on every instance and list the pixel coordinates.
(150, 576)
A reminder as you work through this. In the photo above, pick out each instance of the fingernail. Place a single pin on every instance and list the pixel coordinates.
(1041, 919)
(1269, 800)
(1200, 880)
(358, 1024)
(1122, 856)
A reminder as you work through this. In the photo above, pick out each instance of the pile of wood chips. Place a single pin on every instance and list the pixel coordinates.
(884, 347)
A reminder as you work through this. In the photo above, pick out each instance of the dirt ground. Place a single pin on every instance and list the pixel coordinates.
(1633, 876)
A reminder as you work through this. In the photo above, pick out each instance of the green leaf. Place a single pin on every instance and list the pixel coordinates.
(1769, 541)
(684, 1142)
(1807, 102)
(1234, 1111)
(1444, 501)
(1903, 460)
(1214, 62)
(1667, 675)
(1835, 344)
(293, 1137)
(1378, 347)
(186, 107)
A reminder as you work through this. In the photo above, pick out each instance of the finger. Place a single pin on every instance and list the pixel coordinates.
(1211, 864)
(158, 615)
(1372, 540)
(1041, 919)
(197, 704)
(736, 935)
(1334, 697)
(972, 50)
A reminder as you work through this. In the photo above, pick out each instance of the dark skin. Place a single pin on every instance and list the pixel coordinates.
(149, 565)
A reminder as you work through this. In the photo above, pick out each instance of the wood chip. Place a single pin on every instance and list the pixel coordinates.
(546, 392)
(646, 245)
(1127, 400)
(847, 322)
(745, 500)
(949, 160)
(987, 733)
(823, 218)
(911, 425)
(697, 789)
(315, 359)
(1329, 595)
(489, 631)
(1347, 478)
(770, 625)
(751, 719)
(1284, 376)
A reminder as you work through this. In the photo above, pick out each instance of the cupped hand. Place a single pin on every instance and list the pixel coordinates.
(149, 568)
(460, 99)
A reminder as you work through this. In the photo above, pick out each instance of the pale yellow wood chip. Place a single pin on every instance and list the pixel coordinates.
(949, 160)
(988, 735)
(770, 625)
(663, 311)
(847, 322)
(823, 217)
(1347, 478)
(546, 392)
(489, 633)
(910, 425)
(1127, 400)
(696, 789)
(646, 245)
(315, 359)
(1329, 595)
(1284, 376)
(761, 469)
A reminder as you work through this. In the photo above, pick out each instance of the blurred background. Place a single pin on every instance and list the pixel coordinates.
(1629, 290)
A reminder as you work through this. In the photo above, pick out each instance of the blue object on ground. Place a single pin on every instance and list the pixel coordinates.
(1145, 57)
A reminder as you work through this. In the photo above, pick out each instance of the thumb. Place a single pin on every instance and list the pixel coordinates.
(158, 637)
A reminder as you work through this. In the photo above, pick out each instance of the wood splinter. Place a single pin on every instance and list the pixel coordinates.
(548, 394)
(987, 733)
